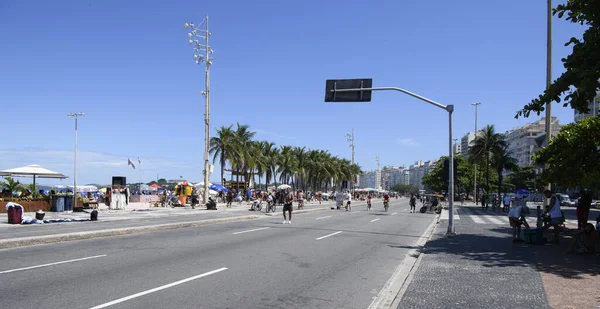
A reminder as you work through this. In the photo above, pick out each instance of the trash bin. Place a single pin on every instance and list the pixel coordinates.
(69, 203)
(15, 214)
(58, 203)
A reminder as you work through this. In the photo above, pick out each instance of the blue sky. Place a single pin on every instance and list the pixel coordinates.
(128, 66)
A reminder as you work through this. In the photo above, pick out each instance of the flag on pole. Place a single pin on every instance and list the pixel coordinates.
(129, 162)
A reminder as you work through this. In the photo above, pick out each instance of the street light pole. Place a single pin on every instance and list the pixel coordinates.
(350, 138)
(548, 80)
(378, 180)
(475, 164)
(76, 116)
(197, 32)
(450, 110)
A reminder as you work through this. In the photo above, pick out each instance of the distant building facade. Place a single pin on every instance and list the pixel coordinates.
(465, 142)
(523, 141)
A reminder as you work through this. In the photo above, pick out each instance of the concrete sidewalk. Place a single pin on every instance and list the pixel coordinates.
(480, 267)
(127, 221)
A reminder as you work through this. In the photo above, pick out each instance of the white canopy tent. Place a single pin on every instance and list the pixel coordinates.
(85, 189)
(34, 171)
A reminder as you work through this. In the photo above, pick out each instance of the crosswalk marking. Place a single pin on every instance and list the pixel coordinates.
(476, 219)
(494, 219)
(445, 216)
(480, 216)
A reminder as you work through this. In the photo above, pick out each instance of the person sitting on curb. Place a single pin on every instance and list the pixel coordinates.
(516, 218)
(585, 240)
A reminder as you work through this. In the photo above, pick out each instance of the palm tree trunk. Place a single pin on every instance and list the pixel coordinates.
(222, 167)
(487, 175)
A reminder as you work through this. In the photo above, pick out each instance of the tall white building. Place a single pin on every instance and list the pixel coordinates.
(457, 148)
(522, 140)
(593, 106)
(417, 171)
(368, 179)
(393, 175)
(465, 142)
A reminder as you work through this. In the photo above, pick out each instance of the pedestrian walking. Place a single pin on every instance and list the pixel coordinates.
(287, 206)
(413, 203)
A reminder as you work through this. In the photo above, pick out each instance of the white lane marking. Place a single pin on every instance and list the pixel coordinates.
(324, 217)
(328, 235)
(394, 213)
(120, 300)
(51, 264)
(375, 220)
(248, 231)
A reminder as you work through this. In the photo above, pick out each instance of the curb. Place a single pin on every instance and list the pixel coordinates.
(49, 239)
(393, 291)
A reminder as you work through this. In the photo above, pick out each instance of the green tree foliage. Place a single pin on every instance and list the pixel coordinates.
(574, 155)
(523, 178)
(404, 189)
(582, 65)
(436, 181)
(313, 169)
(482, 149)
(502, 160)
(12, 185)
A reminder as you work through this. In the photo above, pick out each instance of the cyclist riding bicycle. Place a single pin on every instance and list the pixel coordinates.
(386, 200)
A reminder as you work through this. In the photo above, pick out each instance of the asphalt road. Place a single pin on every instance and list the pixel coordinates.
(326, 259)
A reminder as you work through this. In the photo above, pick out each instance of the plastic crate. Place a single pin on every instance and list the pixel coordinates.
(532, 236)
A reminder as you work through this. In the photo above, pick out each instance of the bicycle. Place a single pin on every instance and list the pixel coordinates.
(271, 207)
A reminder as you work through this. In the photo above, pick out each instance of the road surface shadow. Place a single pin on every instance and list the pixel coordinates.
(497, 250)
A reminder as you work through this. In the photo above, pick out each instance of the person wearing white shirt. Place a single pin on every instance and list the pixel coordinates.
(554, 213)
(506, 202)
(348, 201)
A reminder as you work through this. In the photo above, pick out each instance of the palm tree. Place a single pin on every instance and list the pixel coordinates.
(502, 160)
(223, 146)
(302, 160)
(481, 150)
(12, 185)
(287, 163)
(243, 153)
(314, 168)
(261, 161)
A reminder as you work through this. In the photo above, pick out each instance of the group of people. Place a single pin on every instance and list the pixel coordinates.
(552, 217)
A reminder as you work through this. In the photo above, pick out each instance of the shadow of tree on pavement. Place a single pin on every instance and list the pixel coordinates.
(498, 251)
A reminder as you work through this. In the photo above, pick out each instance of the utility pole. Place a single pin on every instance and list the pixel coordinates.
(378, 180)
(475, 164)
(199, 58)
(350, 138)
(548, 82)
(76, 116)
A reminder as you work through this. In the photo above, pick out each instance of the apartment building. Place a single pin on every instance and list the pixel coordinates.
(522, 141)
(465, 142)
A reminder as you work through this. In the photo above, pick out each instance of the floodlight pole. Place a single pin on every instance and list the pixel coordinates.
(449, 109)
